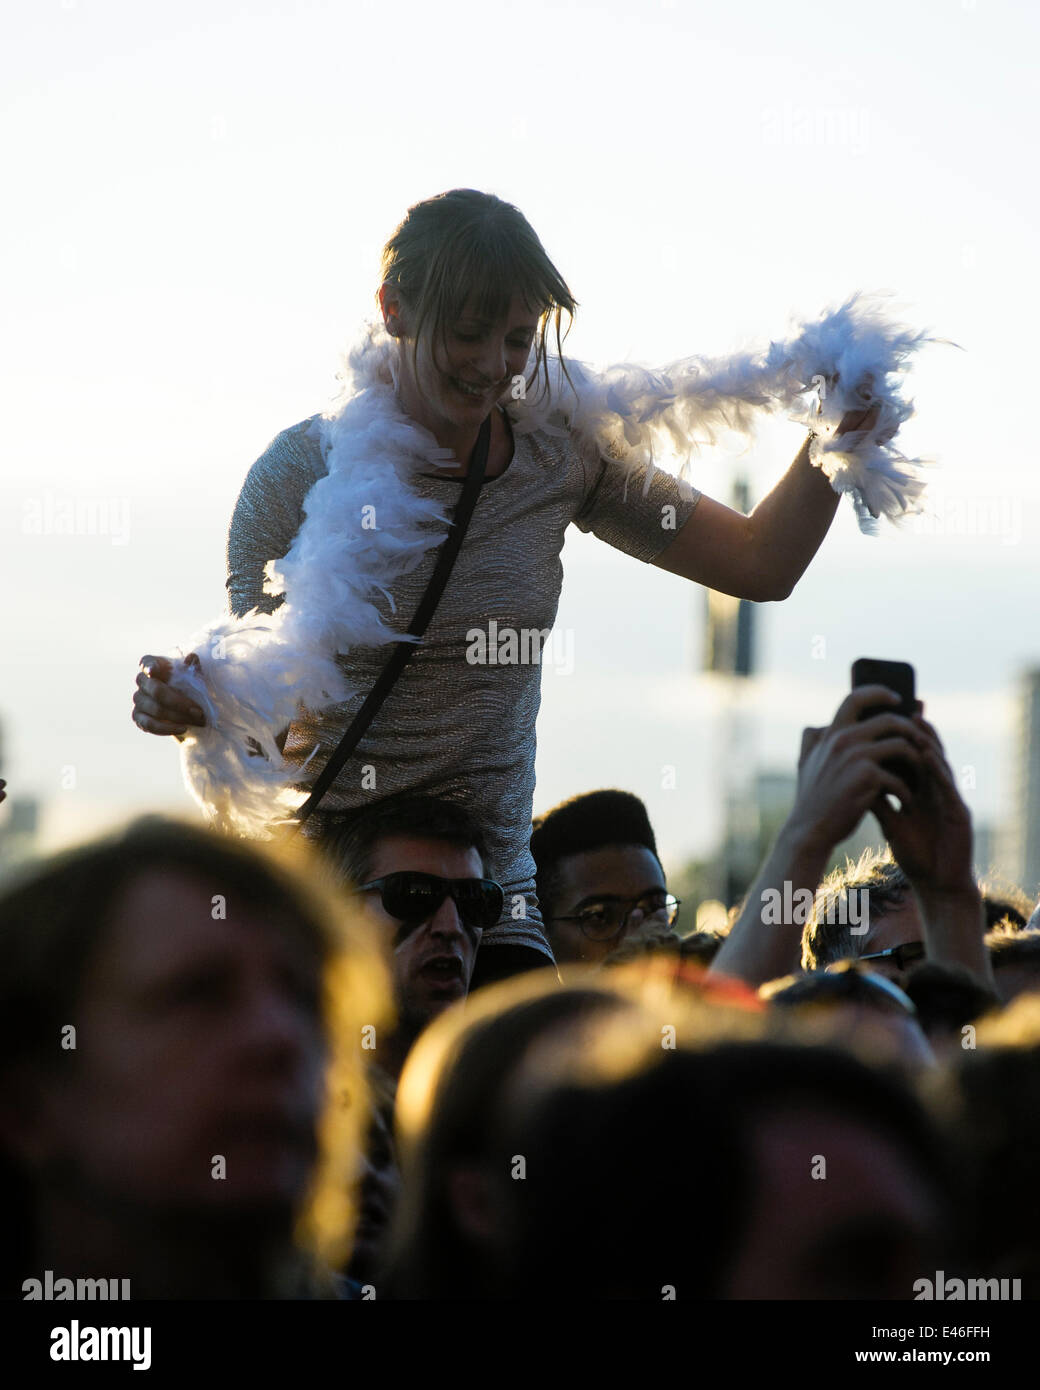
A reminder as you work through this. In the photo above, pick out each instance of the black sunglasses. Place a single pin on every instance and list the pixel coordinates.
(414, 897)
(902, 955)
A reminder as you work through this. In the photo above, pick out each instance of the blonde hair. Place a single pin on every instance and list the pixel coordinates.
(827, 936)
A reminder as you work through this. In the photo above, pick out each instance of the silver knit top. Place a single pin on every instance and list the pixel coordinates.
(453, 727)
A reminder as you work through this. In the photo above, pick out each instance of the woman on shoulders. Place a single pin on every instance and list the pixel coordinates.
(351, 507)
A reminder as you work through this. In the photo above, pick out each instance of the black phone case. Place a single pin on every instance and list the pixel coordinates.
(899, 677)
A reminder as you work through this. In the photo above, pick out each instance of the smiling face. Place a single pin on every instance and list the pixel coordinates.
(451, 390)
(197, 1038)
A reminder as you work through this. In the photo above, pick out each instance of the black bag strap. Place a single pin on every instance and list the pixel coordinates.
(402, 652)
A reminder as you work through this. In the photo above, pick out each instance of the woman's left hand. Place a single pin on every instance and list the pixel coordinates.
(858, 420)
(864, 419)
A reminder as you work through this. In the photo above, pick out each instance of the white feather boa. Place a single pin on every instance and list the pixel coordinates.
(256, 672)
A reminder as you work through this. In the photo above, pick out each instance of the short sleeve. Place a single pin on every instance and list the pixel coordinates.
(268, 514)
(630, 507)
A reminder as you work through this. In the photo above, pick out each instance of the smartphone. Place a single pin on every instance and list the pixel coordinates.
(899, 677)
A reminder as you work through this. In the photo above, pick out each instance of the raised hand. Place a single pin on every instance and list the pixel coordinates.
(854, 421)
(840, 772)
(931, 836)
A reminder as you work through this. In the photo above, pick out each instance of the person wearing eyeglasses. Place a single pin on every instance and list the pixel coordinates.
(599, 878)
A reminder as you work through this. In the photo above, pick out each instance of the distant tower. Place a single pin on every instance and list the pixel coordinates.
(729, 652)
(1025, 833)
(729, 645)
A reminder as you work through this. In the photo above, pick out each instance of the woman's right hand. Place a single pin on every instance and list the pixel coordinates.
(158, 708)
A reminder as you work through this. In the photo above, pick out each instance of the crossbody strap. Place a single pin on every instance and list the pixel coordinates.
(402, 652)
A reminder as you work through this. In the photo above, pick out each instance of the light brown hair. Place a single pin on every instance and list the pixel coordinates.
(464, 244)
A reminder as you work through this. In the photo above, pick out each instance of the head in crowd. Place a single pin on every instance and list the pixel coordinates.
(395, 853)
(702, 946)
(826, 1179)
(774, 1118)
(858, 1008)
(451, 1084)
(1004, 906)
(948, 998)
(177, 1012)
(645, 943)
(699, 948)
(599, 877)
(995, 1114)
(1015, 957)
(874, 894)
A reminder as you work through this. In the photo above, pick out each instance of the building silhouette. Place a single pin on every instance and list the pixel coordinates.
(1024, 832)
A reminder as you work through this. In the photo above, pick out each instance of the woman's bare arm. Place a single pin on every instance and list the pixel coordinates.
(761, 556)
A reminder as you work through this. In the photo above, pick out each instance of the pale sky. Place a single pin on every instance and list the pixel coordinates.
(197, 197)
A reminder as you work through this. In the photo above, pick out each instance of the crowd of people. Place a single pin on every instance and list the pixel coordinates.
(238, 1070)
(433, 1047)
